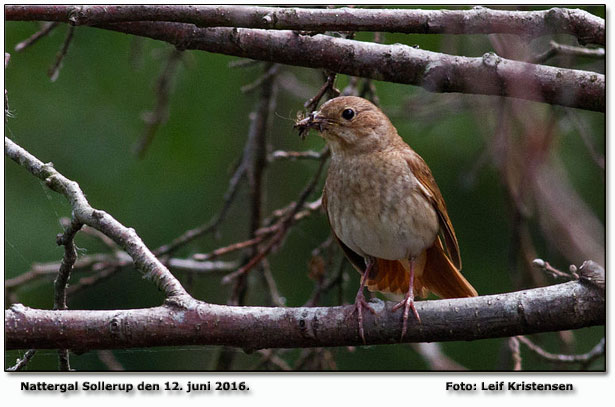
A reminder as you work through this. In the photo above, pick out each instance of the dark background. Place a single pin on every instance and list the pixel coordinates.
(87, 122)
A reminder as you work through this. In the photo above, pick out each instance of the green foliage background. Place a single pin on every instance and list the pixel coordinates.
(88, 120)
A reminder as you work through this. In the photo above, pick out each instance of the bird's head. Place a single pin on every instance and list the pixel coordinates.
(351, 125)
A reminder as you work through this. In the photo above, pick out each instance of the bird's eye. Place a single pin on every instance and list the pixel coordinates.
(348, 114)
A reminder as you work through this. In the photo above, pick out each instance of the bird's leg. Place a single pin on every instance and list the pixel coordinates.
(360, 301)
(408, 303)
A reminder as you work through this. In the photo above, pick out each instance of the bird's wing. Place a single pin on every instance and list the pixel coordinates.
(355, 259)
(431, 191)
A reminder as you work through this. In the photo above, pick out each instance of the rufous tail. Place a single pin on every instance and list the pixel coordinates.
(442, 278)
(433, 272)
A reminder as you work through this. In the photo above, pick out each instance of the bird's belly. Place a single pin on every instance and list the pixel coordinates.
(391, 222)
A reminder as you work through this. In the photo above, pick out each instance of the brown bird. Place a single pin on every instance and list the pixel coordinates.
(385, 208)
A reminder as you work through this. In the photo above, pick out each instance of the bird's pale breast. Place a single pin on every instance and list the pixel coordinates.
(373, 203)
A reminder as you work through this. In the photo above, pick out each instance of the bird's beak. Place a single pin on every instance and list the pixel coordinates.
(312, 121)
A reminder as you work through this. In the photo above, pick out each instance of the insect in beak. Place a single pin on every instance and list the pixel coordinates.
(305, 123)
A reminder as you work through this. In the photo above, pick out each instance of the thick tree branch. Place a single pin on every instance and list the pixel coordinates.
(489, 75)
(479, 20)
(570, 305)
(83, 213)
(436, 72)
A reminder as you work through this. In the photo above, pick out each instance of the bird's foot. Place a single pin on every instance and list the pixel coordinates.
(407, 303)
(359, 304)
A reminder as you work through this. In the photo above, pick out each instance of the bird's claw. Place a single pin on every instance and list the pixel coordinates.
(359, 304)
(407, 303)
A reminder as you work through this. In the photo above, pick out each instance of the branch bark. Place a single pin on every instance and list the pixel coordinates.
(479, 20)
(83, 213)
(570, 305)
(435, 72)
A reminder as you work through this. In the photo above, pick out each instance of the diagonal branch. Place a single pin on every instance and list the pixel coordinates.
(47, 28)
(478, 20)
(23, 362)
(213, 224)
(159, 115)
(54, 70)
(83, 213)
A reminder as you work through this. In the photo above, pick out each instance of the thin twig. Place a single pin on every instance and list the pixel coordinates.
(228, 249)
(44, 31)
(256, 145)
(289, 82)
(312, 103)
(272, 287)
(369, 91)
(303, 358)
(39, 270)
(513, 344)
(288, 220)
(273, 222)
(21, 363)
(7, 110)
(270, 357)
(215, 222)
(65, 239)
(255, 159)
(556, 49)
(436, 359)
(294, 155)
(243, 63)
(54, 70)
(262, 233)
(315, 359)
(269, 74)
(585, 358)
(105, 265)
(194, 266)
(109, 360)
(322, 287)
(318, 266)
(546, 267)
(101, 275)
(160, 114)
(584, 133)
(64, 360)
